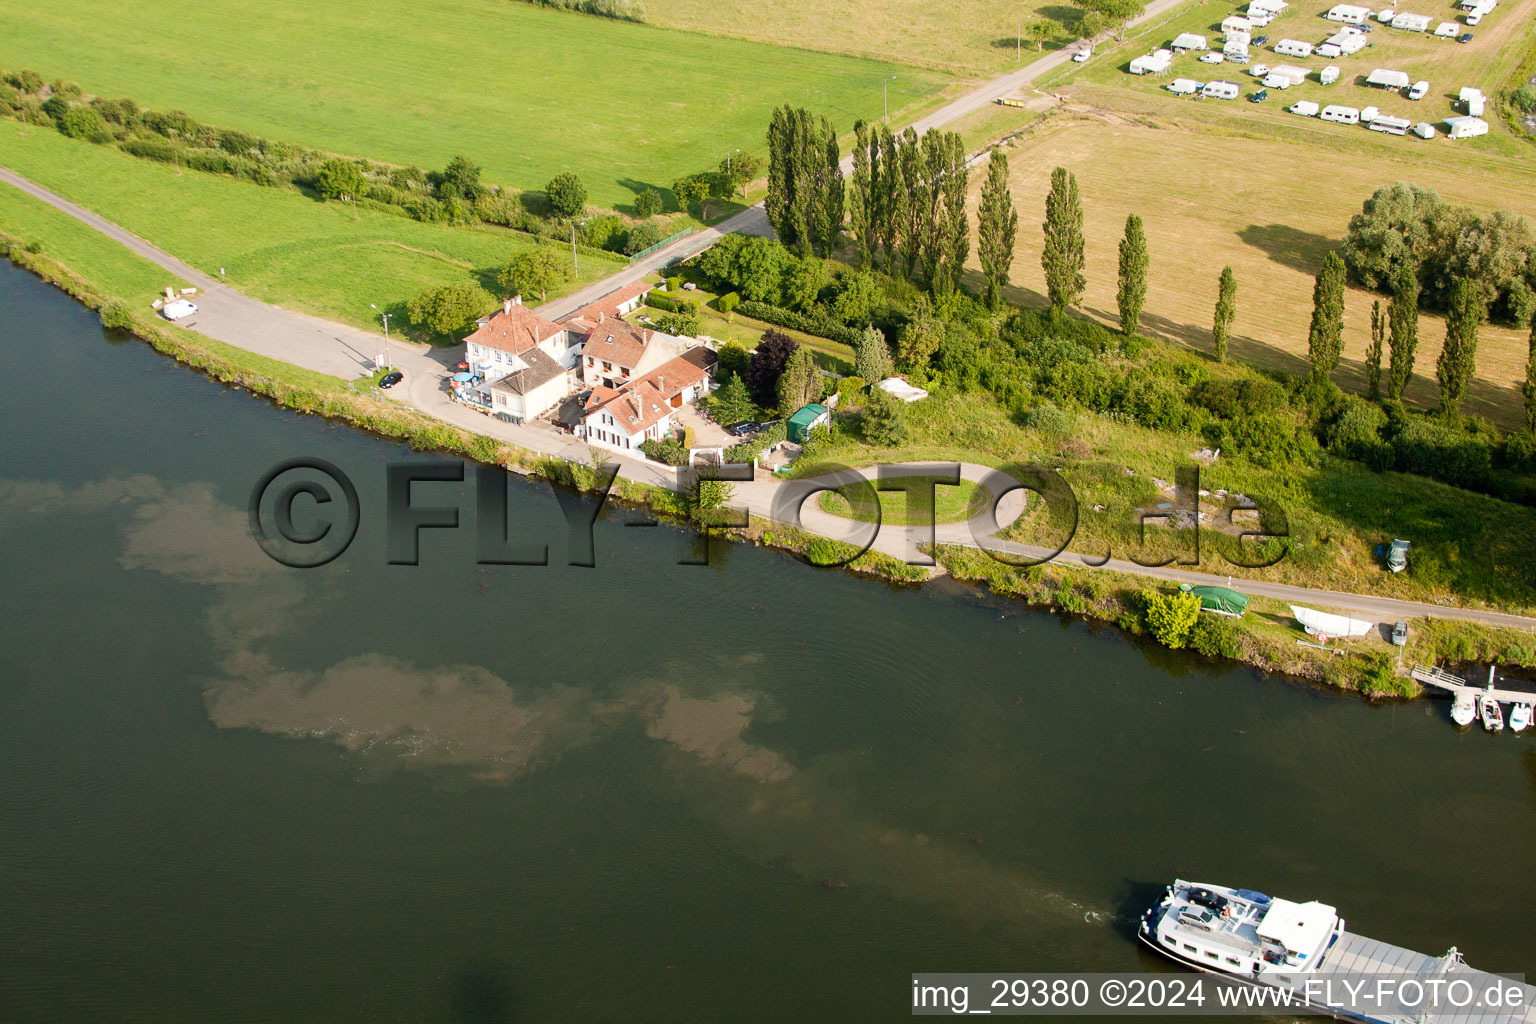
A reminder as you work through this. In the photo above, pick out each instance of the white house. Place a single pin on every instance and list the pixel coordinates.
(1465, 127)
(1187, 41)
(1411, 22)
(1153, 63)
(616, 352)
(1349, 14)
(626, 417)
(522, 363)
(1293, 48)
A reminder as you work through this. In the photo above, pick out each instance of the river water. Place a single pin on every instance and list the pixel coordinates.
(752, 791)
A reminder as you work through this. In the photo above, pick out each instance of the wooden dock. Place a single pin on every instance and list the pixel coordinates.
(1432, 675)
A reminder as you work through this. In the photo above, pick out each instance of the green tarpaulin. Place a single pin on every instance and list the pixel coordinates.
(1221, 600)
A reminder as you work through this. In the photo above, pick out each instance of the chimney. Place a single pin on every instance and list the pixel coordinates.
(506, 307)
(601, 317)
(661, 384)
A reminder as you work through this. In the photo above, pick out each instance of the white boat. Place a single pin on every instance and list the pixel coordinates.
(1492, 714)
(1325, 624)
(1520, 717)
(1464, 710)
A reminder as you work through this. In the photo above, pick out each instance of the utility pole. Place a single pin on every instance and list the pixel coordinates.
(885, 89)
(385, 316)
(1018, 42)
(575, 266)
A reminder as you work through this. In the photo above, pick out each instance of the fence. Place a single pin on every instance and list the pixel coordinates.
(643, 253)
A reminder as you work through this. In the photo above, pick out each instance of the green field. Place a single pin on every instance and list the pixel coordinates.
(275, 245)
(952, 503)
(525, 92)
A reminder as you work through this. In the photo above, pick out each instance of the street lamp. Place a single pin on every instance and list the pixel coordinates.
(575, 265)
(728, 170)
(385, 316)
(885, 89)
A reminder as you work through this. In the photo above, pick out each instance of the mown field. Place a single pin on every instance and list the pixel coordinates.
(1271, 209)
(275, 245)
(1499, 43)
(525, 92)
(963, 36)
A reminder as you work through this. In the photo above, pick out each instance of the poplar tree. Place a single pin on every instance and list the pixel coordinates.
(930, 200)
(1373, 353)
(860, 194)
(1325, 338)
(957, 226)
(893, 212)
(1063, 254)
(1458, 356)
(1529, 387)
(1226, 312)
(996, 224)
(1402, 330)
(911, 190)
(1133, 274)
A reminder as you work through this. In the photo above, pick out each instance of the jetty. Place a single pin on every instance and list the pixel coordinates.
(1432, 675)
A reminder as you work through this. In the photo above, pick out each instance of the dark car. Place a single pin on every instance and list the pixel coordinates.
(391, 378)
(743, 428)
(1465, 37)
(1260, 40)
(1259, 97)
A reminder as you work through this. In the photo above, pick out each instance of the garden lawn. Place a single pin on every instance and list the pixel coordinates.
(275, 244)
(525, 92)
(1269, 208)
(952, 503)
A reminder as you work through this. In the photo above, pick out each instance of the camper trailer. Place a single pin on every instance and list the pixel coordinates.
(1368, 114)
(1235, 50)
(1328, 75)
(1236, 23)
(1424, 130)
(1383, 78)
(1391, 125)
(1306, 108)
(1277, 81)
(1183, 86)
(1153, 63)
(1411, 22)
(1220, 91)
(1340, 115)
(1446, 30)
(1475, 106)
(1465, 127)
(1293, 48)
(1187, 41)
(1349, 14)
(1386, 14)
(1295, 74)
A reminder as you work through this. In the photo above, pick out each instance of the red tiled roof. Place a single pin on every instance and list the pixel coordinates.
(514, 328)
(635, 408)
(608, 305)
(617, 342)
(672, 376)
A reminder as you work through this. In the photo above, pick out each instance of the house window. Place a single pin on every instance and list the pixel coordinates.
(591, 361)
(607, 366)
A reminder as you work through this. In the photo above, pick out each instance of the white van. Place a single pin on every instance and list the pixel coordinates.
(1369, 114)
(1328, 75)
(1306, 108)
(1340, 115)
(1474, 17)
(178, 310)
(1420, 88)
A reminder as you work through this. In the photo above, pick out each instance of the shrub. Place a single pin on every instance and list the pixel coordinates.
(647, 203)
(26, 80)
(669, 304)
(678, 324)
(117, 315)
(1216, 636)
(81, 123)
(1268, 441)
(728, 302)
(55, 106)
(674, 283)
(884, 423)
(1051, 421)
(1230, 398)
(850, 391)
(1155, 402)
(815, 324)
(1170, 617)
(668, 451)
(605, 232)
(237, 143)
(567, 195)
(641, 237)
(1378, 677)
(1356, 434)
(1432, 448)
(1525, 97)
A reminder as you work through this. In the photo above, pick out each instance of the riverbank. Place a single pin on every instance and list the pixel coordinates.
(1265, 642)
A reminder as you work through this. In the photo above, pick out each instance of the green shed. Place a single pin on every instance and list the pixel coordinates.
(807, 418)
(1219, 600)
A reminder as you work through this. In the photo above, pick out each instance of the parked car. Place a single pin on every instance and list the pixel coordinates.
(742, 428)
(1259, 40)
(1259, 97)
(1419, 89)
(391, 378)
(178, 310)
(1212, 58)
(1400, 634)
(1465, 37)
(1081, 55)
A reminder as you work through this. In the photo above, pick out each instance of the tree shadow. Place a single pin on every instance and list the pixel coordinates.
(1289, 246)
(481, 996)
(536, 203)
(668, 201)
(1066, 17)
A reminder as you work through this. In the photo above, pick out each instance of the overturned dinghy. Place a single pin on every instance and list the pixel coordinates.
(1326, 624)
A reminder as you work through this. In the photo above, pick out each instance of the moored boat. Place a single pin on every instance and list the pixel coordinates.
(1464, 710)
(1520, 717)
(1492, 714)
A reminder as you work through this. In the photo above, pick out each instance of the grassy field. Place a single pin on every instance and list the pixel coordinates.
(275, 245)
(1270, 208)
(1499, 43)
(963, 36)
(952, 503)
(525, 92)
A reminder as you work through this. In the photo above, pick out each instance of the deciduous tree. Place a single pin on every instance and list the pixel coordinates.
(1134, 261)
(567, 195)
(533, 271)
(861, 194)
(1402, 329)
(647, 203)
(447, 311)
(1458, 356)
(1064, 252)
(1374, 351)
(1226, 312)
(921, 335)
(800, 382)
(1170, 617)
(1529, 387)
(767, 366)
(1325, 337)
(338, 179)
(997, 222)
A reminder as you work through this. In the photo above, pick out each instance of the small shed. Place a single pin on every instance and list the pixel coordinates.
(1329, 74)
(806, 419)
(1465, 127)
(1186, 41)
(1384, 78)
(1411, 22)
(1219, 600)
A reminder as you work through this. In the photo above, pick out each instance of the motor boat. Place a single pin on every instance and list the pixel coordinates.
(1492, 714)
(1520, 717)
(1464, 710)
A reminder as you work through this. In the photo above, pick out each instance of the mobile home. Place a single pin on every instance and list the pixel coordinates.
(1220, 91)
(1329, 74)
(1346, 42)
(1295, 74)
(1153, 63)
(1293, 48)
(1273, 7)
(1411, 22)
(1187, 41)
(1340, 115)
(1465, 127)
(1349, 14)
(1384, 78)
(1306, 108)
(1391, 125)
(1329, 51)
(1236, 23)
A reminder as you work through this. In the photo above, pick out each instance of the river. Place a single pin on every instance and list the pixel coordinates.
(642, 791)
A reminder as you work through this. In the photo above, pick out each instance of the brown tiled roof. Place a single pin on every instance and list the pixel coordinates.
(672, 376)
(634, 408)
(541, 369)
(514, 328)
(617, 342)
(608, 305)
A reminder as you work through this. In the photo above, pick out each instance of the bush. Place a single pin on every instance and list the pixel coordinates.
(1525, 97)
(117, 315)
(668, 451)
(668, 304)
(1051, 421)
(818, 325)
(1171, 617)
(1378, 677)
(1216, 636)
(748, 450)
(27, 80)
(1432, 448)
(641, 237)
(605, 232)
(683, 325)
(647, 203)
(81, 123)
(1268, 441)
(151, 149)
(1231, 398)
(728, 302)
(238, 143)
(1356, 434)
(1155, 402)
(674, 283)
